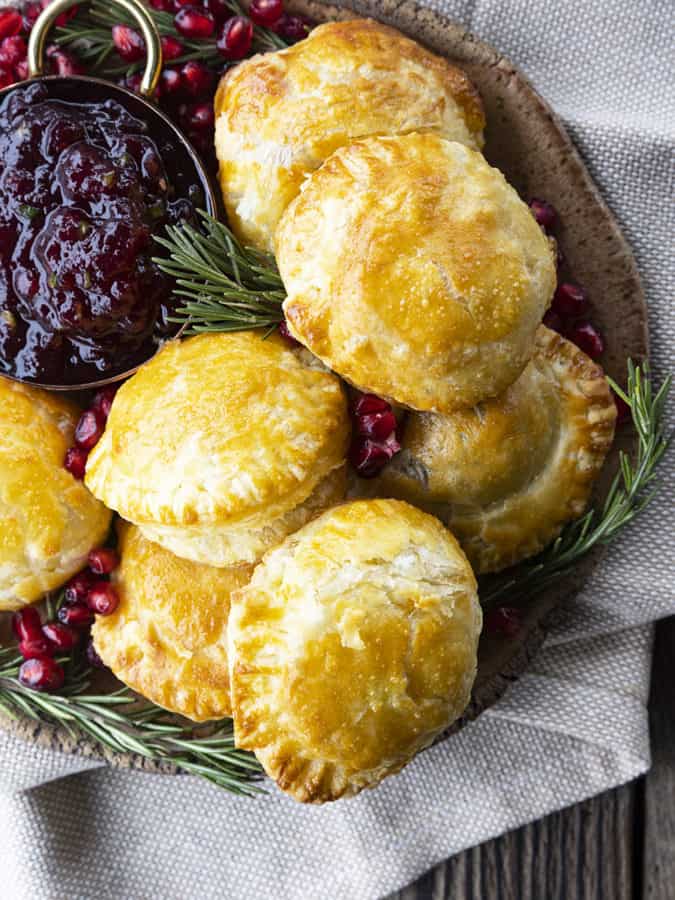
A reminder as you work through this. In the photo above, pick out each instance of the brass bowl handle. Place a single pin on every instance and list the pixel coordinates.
(153, 60)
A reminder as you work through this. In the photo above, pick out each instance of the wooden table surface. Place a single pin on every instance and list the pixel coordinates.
(617, 846)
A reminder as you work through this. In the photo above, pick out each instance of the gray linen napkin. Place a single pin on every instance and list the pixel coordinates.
(573, 726)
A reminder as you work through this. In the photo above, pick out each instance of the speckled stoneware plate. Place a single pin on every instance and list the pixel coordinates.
(527, 142)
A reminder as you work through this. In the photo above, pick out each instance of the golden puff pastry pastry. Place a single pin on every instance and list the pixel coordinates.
(167, 640)
(48, 521)
(415, 271)
(221, 445)
(280, 115)
(352, 648)
(507, 475)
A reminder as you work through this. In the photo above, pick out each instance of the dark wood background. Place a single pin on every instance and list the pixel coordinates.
(617, 846)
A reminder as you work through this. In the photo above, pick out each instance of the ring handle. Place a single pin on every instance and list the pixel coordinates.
(142, 18)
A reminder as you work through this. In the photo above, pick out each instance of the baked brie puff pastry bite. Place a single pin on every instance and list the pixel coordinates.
(167, 638)
(508, 474)
(352, 648)
(280, 115)
(415, 271)
(48, 520)
(221, 445)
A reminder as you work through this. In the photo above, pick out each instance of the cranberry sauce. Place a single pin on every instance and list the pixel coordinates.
(83, 188)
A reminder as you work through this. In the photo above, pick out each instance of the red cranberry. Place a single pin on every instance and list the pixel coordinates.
(569, 300)
(553, 321)
(197, 78)
(89, 429)
(12, 51)
(544, 213)
(377, 425)
(35, 647)
(293, 28)
(93, 658)
(193, 22)
(171, 81)
(623, 410)
(103, 400)
(200, 117)
(60, 636)
(587, 338)
(286, 334)
(171, 48)
(103, 560)
(128, 43)
(505, 620)
(11, 22)
(77, 588)
(370, 403)
(103, 598)
(76, 462)
(26, 624)
(266, 12)
(41, 674)
(6, 78)
(76, 616)
(235, 38)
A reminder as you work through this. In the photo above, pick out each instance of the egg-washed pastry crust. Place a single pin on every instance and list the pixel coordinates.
(48, 520)
(225, 545)
(167, 640)
(280, 115)
(219, 429)
(415, 271)
(352, 648)
(506, 476)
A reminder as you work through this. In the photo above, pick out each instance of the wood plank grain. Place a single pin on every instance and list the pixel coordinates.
(659, 846)
(582, 853)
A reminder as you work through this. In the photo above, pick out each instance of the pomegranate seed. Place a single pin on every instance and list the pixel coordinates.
(569, 300)
(78, 587)
(378, 425)
(6, 78)
(197, 78)
(26, 624)
(623, 410)
(89, 429)
(12, 51)
(21, 70)
(103, 598)
(162, 5)
(103, 400)
(128, 43)
(285, 333)
(63, 63)
(60, 636)
(11, 22)
(30, 15)
(544, 213)
(178, 3)
(172, 48)
(266, 12)
(370, 403)
(293, 28)
(553, 321)
(220, 9)
(41, 674)
(36, 647)
(368, 458)
(193, 22)
(200, 117)
(235, 38)
(92, 656)
(76, 616)
(171, 81)
(133, 82)
(103, 561)
(587, 338)
(505, 620)
(65, 17)
(75, 462)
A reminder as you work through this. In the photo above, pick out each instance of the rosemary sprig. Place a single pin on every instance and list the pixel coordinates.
(122, 723)
(89, 34)
(224, 286)
(630, 492)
